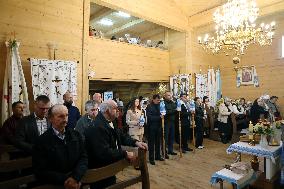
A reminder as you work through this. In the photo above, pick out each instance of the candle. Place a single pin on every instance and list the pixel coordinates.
(250, 127)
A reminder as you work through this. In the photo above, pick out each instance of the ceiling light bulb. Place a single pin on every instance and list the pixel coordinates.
(123, 14)
(106, 22)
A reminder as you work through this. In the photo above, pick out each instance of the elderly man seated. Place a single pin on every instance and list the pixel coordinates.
(59, 156)
(103, 142)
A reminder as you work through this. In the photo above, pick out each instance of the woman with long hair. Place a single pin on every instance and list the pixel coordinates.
(132, 119)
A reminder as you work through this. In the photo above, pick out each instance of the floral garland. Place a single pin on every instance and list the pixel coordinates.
(278, 124)
(12, 43)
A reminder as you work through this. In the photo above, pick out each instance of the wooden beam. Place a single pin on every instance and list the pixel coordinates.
(124, 27)
(100, 14)
(206, 17)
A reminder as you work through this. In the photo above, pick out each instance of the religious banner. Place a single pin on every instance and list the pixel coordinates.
(247, 75)
(179, 84)
(209, 85)
(212, 90)
(53, 78)
(201, 85)
(14, 86)
(218, 84)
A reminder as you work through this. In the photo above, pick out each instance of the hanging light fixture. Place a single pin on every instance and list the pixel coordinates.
(236, 29)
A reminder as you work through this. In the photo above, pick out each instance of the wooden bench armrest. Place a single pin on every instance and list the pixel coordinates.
(94, 175)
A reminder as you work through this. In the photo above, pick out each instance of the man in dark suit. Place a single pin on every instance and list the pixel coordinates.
(8, 130)
(59, 156)
(199, 118)
(170, 123)
(185, 123)
(154, 129)
(103, 142)
(73, 111)
(33, 125)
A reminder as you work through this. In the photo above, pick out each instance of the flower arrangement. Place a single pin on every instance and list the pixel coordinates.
(263, 128)
(278, 125)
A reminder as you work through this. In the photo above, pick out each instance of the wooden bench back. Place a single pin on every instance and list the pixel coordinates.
(94, 175)
(5, 151)
(5, 148)
(91, 175)
(9, 166)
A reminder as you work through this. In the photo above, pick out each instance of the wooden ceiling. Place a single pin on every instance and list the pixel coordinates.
(199, 13)
(133, 25)
(194, 7)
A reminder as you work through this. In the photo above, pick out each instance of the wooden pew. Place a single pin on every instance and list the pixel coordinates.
(14, 166)
(214, 134)
(94, 175)
(91, 176)
(5, 151)
(236, 134)
(235, 122)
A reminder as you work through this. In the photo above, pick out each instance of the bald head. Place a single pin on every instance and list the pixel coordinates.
(68, 98)
(58, 116)
(97, 97)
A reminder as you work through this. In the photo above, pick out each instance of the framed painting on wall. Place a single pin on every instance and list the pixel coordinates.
(108, 95)
(179, 84)
(247, 75)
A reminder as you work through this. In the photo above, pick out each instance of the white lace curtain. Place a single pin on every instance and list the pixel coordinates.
(14, 86)
(53, 78)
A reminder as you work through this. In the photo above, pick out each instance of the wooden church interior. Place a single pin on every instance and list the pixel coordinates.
(139, 48)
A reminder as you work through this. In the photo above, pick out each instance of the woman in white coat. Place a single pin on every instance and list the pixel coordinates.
(133, 115)
(224, 121)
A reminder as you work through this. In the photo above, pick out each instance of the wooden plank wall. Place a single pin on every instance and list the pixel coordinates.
(117, 61)
(177, 48)
(269, 65)
(165, 13)
(38, 23)
(154, 35)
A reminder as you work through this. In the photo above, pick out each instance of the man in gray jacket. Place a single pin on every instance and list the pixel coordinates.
(91, 108)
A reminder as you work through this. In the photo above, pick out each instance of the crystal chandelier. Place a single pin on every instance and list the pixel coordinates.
(236, 29)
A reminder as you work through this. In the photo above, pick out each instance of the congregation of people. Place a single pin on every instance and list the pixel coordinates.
(64, 144)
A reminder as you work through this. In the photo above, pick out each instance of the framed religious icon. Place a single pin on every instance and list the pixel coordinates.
(108, 95)
(179, 84)
(247, 75)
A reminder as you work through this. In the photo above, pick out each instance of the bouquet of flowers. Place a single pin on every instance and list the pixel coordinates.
(278, 124)
(263, 128)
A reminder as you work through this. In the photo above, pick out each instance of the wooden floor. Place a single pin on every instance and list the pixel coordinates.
(192, 171)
